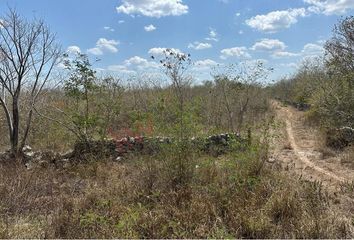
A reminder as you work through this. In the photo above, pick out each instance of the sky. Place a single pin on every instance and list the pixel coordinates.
(124, 34)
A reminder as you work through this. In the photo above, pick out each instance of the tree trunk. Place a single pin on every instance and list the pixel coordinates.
(15, 125)
(28, 125)
(8, 117)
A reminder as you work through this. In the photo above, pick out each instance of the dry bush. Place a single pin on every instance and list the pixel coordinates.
(348, 157)
(230, 196)
(287, 146)
(321, 146)
(24, 197)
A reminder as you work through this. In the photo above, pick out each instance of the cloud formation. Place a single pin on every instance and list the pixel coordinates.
(213, 35)
(312, 49)
(282, 19)
(150, 28)
(206, 63)
(122, 69)
(140, 63)
(153, 8)
(104, 45)
(239, 52)
(199, 45)
(158, 51)
(107, 28)
(276, 20)
(73, 49)
(267, 44)
(330, 7)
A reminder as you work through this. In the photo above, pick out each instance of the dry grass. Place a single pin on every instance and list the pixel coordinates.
(287, 146)
(326, 152)
(233, 196)
(348, 157)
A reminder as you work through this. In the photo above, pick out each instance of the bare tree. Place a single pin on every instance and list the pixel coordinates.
(175, 66)
(28, 54)
(239, 86)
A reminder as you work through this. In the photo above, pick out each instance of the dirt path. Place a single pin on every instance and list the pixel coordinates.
(302, 156)
(298, 149)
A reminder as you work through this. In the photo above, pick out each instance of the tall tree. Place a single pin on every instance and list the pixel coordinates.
(340, 48)
(28, 55)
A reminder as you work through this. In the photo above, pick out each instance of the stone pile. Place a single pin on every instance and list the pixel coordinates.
(340, 138)
(153, 144)
(117, 149)
(32, 159)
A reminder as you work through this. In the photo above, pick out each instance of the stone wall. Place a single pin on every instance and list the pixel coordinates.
(117, 149)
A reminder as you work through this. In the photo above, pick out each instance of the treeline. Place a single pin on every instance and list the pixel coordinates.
(326, 83)
(57, 98)
(96, 107)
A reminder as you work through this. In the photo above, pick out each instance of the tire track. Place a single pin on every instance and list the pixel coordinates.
(302, 156)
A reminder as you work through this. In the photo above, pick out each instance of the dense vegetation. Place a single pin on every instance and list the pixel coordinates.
(179, 191)
(327, 83)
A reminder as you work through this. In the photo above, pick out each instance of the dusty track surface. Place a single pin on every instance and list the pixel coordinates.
(298, 149)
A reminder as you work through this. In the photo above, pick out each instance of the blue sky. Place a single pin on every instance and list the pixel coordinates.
(125, 33)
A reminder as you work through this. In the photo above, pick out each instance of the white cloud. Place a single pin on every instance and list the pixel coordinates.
(274, 21)
(240, 32)
(330, 7)
(274, 46)
(153, 8)
(73, 49)
(200, 46)
(158, 51)
(240, 52)
(238, 14)
(309, 58)
(120, 69)
(255, 61)
(321, 41)
(207, 63)
(277, 20)
(150, 28)
(312, 49)
(284, 54)
(103, 45)
(121, 21)
(136, 60)
(108, 29)
(213, 35)
(134, 65)
(109, 45)
(95, 51)
(140, 63)
(289, 65)
(267, 44)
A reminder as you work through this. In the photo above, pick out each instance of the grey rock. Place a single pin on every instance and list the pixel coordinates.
(29, 154)
(26, 149)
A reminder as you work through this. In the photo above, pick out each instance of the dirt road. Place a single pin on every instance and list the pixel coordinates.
(298, 148)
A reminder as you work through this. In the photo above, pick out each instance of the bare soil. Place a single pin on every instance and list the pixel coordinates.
(298, 146)
(299, 150)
